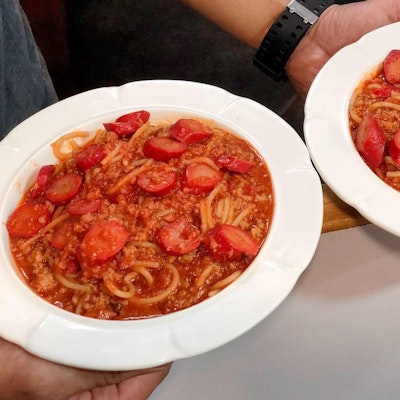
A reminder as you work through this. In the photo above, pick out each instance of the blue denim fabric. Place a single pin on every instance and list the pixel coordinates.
(25, 84)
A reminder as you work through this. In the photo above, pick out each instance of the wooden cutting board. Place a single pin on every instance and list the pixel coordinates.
(337, 214)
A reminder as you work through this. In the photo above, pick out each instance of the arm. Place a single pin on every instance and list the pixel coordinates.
(248, 20)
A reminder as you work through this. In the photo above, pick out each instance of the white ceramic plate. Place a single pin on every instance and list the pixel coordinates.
(70, 339)
(327, 133)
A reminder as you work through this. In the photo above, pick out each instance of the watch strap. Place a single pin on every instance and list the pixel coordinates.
(285, 34)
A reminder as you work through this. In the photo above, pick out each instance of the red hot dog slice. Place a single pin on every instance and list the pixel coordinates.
(64, 188)
(102, 242)
(189, 131)
(139, 117)
(234, 164)
(370, 140)
(228, 242)
(84, 206)
(90, 156)
(28, 220)
(391, 67)
(159, 180)
(179, 238)
(163, 148)
(201, 177)
(394, 148)
(129, 123)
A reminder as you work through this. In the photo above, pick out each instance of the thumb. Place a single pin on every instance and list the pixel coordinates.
(337, 27)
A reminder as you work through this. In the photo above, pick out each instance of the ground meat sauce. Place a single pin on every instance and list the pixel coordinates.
(374, 116)
(142, 219)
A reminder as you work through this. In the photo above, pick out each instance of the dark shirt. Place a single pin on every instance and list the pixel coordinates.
(25, 84)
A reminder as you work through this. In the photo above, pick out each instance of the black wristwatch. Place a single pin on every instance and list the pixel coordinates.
(286, 33)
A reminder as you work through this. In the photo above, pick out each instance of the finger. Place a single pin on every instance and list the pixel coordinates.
(142, 386)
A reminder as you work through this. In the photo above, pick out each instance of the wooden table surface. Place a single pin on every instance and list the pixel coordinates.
(337, 214)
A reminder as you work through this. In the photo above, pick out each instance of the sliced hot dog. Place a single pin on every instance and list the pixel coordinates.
(84, 206)
(121, 128)
(370, 140)
(384, 92)
(234, 164)
(179, 238)
(228, 242)
(90, 156)
(163, 148)
(159, 180)
(102, 242)
(189, 131)
(128, 124)
(63, 188)
(201, 177)
(139, 117)
(391, 67)
(394, 148)
(28, 220)
(42, 180)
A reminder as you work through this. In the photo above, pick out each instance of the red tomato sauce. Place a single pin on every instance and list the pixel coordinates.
(374, 119)
(117, 231)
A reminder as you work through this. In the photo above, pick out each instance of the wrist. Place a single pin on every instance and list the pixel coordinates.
(285, 34)
(267, 18)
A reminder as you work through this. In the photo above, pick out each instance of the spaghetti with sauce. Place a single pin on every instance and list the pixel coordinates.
(374, 116)
(141, 219)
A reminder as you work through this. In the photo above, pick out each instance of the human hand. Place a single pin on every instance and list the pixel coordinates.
(337, 27)
(25, 376)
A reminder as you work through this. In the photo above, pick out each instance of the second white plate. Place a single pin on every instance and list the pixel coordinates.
(327, 132)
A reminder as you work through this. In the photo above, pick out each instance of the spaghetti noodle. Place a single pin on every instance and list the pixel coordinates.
(67, 145)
